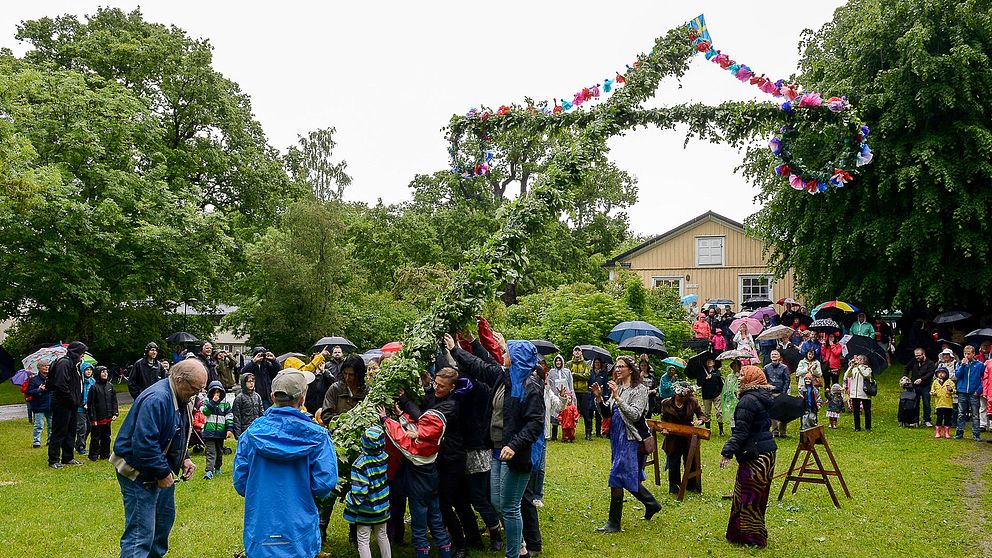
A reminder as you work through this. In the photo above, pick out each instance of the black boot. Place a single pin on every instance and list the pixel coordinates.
(651, 504)
(616, 511)
(707, 425)
(495, 539)
(721, 428)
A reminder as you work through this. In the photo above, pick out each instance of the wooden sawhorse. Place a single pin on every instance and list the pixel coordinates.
(693, 463)
(808, 440)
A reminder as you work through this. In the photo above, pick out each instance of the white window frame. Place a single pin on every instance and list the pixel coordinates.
(681, 281)
(740, 285)
(723, 251)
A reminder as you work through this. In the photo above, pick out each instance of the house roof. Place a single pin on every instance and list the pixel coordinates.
(709, 215)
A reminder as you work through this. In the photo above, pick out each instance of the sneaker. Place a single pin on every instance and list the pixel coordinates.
(74, 462)
(36, 445)
(81, 452)
(978, 438)
(56, 466)
(208, 475)
(958, 436)
(929, 424)
(538, 504)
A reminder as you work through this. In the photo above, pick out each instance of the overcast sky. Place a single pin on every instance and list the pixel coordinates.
(389, 75)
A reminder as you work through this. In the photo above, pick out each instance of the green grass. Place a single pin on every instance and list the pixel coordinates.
(11, 394)
(909, 497)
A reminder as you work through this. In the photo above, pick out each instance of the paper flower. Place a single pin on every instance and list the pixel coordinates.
(578, 99)
(811, 99)
(607, 85)
(787, 107)
(734, 68)
(791, 92)
(484, 116)
(744, 73)
(703, 46)
(811, 187)
(837, 104)
(727, 63)
(557, 109)
(840, 177)
(758, 80)
(783, 170)
(865, 131)
(620, 78)
(566, 105)
(821, 186)
(721, 59)
(503, 110)
(865, 156)
(595, 91)
(489, 156)
(775, 145)
(796, 182)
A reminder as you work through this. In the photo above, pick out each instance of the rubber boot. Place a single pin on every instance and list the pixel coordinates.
(616, 511)
(707, 425)
(947, 432)
(651, 505)
(721, 428)
(936, 432)
(495, 539)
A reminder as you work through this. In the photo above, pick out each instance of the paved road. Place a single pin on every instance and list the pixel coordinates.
(19, 411)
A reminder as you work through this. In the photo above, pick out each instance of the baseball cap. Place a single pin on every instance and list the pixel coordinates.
(291, 382)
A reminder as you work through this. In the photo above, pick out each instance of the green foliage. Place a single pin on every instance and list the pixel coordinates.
(310, 163)
(910, 232)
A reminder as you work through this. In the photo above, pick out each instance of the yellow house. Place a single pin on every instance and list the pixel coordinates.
(710, 256)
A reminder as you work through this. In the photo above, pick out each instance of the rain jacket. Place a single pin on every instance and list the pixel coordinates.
(857, 374)
(219, 418)
(969, 377)
(701, 328)
(778, 376)
(580, 375)
(833, 355)
(942, 397)
(751, 425)
(144, 374)
(339, 399)
(65, 381)
(41, 401)
(863, 329)
(367, 503)
(87, 384)
(247, 407)
(157, 420)
(102, 403)
(323, 379)
(284, 462)
(225, 371)
(417, 476)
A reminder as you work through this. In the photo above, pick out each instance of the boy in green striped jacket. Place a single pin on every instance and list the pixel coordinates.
(367, 503)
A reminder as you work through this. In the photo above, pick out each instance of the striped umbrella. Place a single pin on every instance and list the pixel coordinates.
(833, 308)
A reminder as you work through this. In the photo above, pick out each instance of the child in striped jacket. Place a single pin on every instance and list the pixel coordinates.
(218, 427)
(367, 502)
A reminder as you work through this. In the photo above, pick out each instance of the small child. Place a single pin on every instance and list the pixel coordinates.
(247, 405)
(414, 444)
(367, 502)
(719, 341)
(101, 411)
(82, 423)
(835, 404)
(219, 426)
(942, 390)
(811, 399)
(568, 418)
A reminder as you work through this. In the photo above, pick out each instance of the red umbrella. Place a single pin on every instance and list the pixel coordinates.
(393, 347)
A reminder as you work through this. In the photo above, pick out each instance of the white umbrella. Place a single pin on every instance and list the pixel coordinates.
(774, 332)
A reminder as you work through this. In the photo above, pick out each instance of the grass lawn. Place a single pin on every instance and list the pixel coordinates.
(910, 493)
(11, 394)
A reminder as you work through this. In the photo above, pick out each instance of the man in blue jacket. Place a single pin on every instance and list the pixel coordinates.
(281, 518)
(150, 448)
(969, 388)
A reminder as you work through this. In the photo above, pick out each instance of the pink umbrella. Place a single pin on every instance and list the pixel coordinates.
(753, 326)
(47, 354)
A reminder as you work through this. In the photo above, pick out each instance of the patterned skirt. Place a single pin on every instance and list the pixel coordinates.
(747, 513)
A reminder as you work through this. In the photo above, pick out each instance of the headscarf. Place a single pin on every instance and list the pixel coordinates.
(523, 360)
(751, 377)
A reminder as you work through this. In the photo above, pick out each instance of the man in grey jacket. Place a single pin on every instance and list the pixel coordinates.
(781, 380)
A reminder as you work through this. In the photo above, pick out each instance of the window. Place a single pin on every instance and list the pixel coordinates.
(709, 250)
(752, 286)
(669, 282)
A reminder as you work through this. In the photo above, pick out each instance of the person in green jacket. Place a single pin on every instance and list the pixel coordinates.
(862, 327)
(665, 389)
(580, 380)
(729, 395)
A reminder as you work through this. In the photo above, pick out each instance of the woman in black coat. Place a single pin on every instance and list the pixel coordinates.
(515, 427)
(754, 447)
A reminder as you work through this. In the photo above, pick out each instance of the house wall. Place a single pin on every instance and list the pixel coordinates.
(676, 257)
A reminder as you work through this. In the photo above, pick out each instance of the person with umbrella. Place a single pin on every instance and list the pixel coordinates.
(145, 371)
(833, 357)
(666, 381)
(701, 327)
(855, 377)
(920, 371)
(626, 408)
(754, 448)
(560, 379)
(780, 379)
(744, 342)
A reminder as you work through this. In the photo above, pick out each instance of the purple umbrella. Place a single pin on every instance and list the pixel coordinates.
(760, 313)
(20, 377)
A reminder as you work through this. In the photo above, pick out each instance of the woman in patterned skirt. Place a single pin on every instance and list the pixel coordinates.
(754, 447)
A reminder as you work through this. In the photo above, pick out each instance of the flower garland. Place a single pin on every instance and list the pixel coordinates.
(811, 109)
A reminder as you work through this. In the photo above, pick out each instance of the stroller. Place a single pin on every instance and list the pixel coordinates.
(909, 407)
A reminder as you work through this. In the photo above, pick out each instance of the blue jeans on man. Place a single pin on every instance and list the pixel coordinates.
(426, 514)
(508, 488)
(970, 401)
(149, 512)
(42, 420)
(923, 395)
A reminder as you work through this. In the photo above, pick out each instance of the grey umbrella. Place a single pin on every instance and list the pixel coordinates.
(330, 342)
(951, 317)
(648, 344)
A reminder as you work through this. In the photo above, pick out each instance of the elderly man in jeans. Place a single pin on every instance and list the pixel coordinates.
(781, 380)
(150, 449)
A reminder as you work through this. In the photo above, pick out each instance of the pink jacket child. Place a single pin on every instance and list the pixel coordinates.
(987, 382)
(719, 341)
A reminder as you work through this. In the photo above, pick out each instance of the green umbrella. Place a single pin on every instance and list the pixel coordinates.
(676, 362)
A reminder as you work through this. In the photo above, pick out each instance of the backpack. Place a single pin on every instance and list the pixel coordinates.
(24, 390)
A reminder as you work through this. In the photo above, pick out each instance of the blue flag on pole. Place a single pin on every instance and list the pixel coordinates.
(699, 24)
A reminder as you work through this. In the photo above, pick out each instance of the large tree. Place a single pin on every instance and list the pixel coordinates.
(912, 230)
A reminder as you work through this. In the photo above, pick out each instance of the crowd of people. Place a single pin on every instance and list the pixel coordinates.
(475, 445)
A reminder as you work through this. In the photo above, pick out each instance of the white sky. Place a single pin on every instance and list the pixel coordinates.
(389, 75)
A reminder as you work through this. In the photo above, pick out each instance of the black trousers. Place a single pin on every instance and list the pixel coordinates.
(944, 417)
(60, 448)
(395, 527)
(456, 507)
(587, 409)
(100, 442)
(478, 487)
(676, 462)
(528, 512)
(857, 404)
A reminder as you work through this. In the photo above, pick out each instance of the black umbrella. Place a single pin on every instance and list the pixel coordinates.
(329, 342)
(545, 347)
(648, 344)
(956, 347)
(860, 345)
(181, 338)
(979, 335)
(757, 302)
(282, 358)
(825, 325)
(951, 317)
(714, 302)
(697, 363)
(790, 356)
(786, 408)
(836, 314)
(591, 352)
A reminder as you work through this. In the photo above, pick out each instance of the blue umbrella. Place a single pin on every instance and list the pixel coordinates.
(689, 299)
(627, 330)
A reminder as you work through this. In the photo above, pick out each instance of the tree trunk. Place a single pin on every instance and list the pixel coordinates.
(509, 295)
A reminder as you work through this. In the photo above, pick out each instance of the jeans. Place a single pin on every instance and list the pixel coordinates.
(149, 512)
(82, 431)
(966, 401)
(507, 488)
(426, 514)
(60, 445)
(42, 419)
(923, 393)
